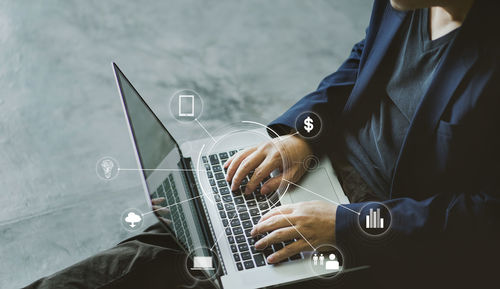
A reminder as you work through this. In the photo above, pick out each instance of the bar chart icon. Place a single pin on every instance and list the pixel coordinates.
(373, 220)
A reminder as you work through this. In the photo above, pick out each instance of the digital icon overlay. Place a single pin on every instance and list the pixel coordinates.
(308, 124)
(374, 219)
(186, 105)
(132, 219)
(107, 168)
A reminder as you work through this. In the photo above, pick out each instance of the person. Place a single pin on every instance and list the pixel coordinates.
(315, 259)
(410, 120)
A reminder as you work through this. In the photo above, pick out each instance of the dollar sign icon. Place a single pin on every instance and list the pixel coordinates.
(308, 124)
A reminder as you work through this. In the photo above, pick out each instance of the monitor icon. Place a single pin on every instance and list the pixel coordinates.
(186, 105)
(202, 263)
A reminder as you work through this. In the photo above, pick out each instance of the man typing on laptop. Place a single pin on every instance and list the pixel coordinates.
(409, 120)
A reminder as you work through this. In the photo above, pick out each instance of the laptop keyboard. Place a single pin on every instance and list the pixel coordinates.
(239, 213)
(168, 191)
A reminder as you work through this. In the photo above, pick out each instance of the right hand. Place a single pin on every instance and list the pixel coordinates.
(264, 159)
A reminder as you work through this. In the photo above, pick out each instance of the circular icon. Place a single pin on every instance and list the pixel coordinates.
(107, 168)
(308, 124)
(374, 219)
(326, 261)
(202, 264)
(311, 163)
(186, 105)
(132, 219)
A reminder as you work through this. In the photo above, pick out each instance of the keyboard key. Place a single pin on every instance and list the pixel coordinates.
(268, 251)
(259, 260)
(230, 238)
(210, 175)
(212, 182)
(234, 249)
(223, 155)
(214, 189)
(222, 214)
(261, 198)
(238, 200)
(236, 257)
(222, 184)
(277, 247)
(225, 222)
(217, 198)
(214, 160)
(247, 232)
(254, 212)
(251, 241)
(244, 216)
(205, 159)
(242, 248)
(219, 176)
(239, 266)
(207, 167)
(232, 153)
(217, 168)
(263, 206)
(220, 206)
(228, 232)
(240, 239)
(246, 255)
(247, 224)
(235, 222)
(248, 264)
(255, 220)
(237, 230)
(224, 191)
(253, 250)
(229, 207)
(251, 203)
(241, 208)
(228, 199)
(244, 181)
(231, 214)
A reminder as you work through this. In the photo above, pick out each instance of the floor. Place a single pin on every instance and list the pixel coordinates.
(60, 111)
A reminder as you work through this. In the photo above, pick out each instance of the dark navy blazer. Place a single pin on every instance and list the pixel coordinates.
(445, 192)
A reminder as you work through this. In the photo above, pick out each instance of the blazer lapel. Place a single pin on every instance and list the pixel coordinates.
(391, 22)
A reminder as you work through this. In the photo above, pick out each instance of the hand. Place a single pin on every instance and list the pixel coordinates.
(315, 220)
(264, 159)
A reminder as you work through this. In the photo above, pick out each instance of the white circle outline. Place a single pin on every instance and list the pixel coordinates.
(320, 128)
(176, 93)
(216, 271)
(117, 168)
(361, 227)
(325, 276)
(135, 210)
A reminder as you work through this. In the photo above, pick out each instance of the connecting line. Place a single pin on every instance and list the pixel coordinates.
(205, 129)
(169, 170)
(340, 205)
(187, 200)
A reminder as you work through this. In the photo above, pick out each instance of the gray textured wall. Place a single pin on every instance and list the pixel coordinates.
(60, 111)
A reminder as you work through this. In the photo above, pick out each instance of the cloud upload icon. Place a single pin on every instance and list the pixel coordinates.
(132, 218)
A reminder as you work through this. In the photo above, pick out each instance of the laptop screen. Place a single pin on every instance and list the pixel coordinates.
(160, 161)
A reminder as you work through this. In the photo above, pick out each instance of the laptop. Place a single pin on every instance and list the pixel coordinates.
(208, 221)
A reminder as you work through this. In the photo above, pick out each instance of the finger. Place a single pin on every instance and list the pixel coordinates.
(248, 164)
(271, 185)
(281, 210)
(277, 236)
(262, 171)
(288, 251)
(157, 201)
(271, 224)
(238, 158)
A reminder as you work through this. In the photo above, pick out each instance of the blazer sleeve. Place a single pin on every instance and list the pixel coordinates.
(327, 101)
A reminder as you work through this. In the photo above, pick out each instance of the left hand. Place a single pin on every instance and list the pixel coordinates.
(315, 220)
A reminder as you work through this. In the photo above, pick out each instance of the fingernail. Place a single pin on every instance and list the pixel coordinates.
(270, 259)
(258, 245)
(263, 190)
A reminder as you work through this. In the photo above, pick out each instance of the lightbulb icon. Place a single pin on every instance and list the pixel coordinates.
(107, 166)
